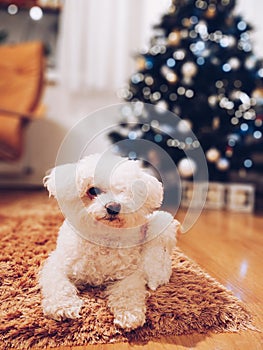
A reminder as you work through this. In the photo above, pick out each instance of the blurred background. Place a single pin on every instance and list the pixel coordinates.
(62, 60)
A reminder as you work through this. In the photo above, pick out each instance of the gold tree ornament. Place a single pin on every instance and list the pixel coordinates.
(211, 11)
(222, 164)
(216, 123)
(212, 155)
(189, 69)
(258, 93)
(171, 77)
(140, 63)
(169, 74)
(174, 38)
(172, 9)
(186, 22)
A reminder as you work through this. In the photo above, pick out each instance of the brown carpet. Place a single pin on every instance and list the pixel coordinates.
(191, 302)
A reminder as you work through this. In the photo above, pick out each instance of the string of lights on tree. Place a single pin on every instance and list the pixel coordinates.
(200, 65)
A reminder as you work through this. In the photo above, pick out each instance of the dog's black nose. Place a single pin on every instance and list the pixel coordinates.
(113, 208)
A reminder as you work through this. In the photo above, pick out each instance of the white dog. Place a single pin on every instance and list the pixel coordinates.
(112, 236)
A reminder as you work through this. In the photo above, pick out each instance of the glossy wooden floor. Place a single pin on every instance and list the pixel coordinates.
(229, 246)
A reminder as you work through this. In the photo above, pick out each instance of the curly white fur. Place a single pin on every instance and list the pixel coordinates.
(127, 250)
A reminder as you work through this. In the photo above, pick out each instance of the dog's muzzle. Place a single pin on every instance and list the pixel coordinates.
(113, 208)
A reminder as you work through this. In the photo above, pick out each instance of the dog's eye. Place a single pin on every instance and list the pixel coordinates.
(93, 192)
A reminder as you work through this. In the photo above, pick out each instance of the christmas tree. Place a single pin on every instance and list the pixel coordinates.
(200, 65)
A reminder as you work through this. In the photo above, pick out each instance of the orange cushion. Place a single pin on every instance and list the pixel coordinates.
(21, 83)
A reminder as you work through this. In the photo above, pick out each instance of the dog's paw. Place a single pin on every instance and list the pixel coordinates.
(157, 280)
(130, 319)
(64, 309)
(154, 284)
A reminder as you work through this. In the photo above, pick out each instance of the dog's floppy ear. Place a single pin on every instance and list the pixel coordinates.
(61, 182)
(154, 192)
(49, 182)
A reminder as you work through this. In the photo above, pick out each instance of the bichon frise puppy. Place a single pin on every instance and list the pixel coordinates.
(112, 235)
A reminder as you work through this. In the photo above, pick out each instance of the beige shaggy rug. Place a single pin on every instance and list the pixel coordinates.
(191, 302)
